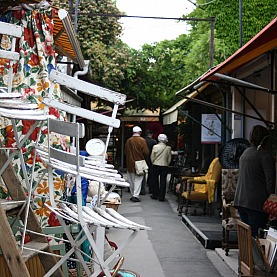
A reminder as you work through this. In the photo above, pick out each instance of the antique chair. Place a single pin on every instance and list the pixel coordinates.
(230, 215)
(246, 262)
(202, 188)
(175, 171)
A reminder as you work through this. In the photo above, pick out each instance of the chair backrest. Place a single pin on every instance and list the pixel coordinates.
(73, 130)
(11, 32)
(229, 183)
(214, 171)
(246, 263)
(90, 89)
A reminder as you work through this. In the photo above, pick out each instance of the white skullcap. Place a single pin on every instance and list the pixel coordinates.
(162, 138)
(137, 129)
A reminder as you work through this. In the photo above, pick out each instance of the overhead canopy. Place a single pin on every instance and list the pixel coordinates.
(264, 41)
(171, 115)
(65, 40)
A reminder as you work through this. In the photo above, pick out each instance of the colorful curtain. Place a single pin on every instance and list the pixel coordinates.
(30, 78)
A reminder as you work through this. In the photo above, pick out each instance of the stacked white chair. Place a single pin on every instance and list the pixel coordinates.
(92, 222)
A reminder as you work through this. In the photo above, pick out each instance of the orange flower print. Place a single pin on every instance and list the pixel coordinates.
(58, 184)
(43, 188)
(10, 140)
(42, 86)
(3, 64)
(42, 210)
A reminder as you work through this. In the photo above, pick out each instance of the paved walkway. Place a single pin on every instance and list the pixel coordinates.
(169, 249)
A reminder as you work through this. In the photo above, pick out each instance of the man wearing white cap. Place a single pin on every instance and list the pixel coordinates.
(136, 149)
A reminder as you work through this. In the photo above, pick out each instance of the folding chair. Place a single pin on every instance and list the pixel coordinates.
(88, 219)
(92, 221)
(92, 90)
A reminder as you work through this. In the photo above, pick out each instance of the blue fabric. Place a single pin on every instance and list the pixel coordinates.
(84, 183)
(84, 153)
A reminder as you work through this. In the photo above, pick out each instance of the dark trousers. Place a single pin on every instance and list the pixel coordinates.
(254, 219)
(159, 181)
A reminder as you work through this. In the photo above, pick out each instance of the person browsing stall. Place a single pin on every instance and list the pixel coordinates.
(135, 149)
(256, 180)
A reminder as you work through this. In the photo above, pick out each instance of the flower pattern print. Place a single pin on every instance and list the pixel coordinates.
(31, 79)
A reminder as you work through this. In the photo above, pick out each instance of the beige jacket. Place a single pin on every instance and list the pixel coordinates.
(161, 154)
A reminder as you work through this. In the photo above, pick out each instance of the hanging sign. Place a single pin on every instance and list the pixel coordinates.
(211, 128)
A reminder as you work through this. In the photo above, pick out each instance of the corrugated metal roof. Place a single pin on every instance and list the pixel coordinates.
(65, 40)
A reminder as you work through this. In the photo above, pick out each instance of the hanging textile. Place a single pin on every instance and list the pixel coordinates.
(30, 78)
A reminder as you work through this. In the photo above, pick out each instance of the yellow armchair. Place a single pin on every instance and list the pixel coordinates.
(202, 188)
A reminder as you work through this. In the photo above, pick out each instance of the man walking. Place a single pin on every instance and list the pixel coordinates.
(135, 149)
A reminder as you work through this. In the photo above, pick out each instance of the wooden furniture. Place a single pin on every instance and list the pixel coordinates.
(175, 171)
(230, 215)
(182, 187)
(246, 263)
(202, 188)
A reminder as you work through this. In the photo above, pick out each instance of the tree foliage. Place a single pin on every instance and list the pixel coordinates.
(155, 73)
(151, 76)
(256, 15)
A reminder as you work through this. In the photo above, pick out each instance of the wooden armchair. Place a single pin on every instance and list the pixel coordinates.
(230, 215)
(202, 188)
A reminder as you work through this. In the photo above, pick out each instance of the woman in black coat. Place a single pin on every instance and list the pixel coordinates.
(256, 180)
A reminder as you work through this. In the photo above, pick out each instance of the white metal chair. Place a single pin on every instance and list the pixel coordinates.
(13, 107)
(12, 32)
(88, 219)
(92, 221)
(92, 90)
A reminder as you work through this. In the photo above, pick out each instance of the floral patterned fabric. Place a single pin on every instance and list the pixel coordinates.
(230, 215)
(30, 78)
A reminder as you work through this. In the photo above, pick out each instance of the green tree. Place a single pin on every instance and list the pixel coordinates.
(256, 15)
(156, 72)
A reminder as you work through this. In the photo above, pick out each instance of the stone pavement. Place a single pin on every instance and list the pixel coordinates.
(169, 249)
